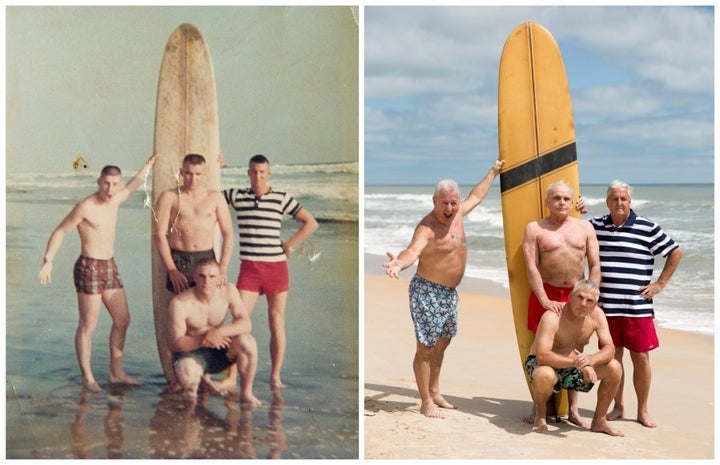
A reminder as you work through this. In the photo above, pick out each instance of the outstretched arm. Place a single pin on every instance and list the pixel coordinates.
(478, 193)
(136, 180)
(407, 257)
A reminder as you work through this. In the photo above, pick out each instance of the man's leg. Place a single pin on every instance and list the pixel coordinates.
(278, 341)
(436, 360)
(188, 373)
(619, 409)
(543, 380)
(89, 309)
(245, 351)
(421, 367)
(115, 301)
(642, 376)
(610, 376)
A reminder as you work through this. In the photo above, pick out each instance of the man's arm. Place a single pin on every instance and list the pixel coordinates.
(309, 226)
(605, 343)
(671, 264)
(241, 324)
(72, 220)
(593, 253)
(407, 257)
(136, 180)
(177, 329)
(222, 213)
(478, 193)
(532, 268)
(544, 339)
(163, 210)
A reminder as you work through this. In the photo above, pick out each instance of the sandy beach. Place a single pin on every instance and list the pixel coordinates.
(482, 376)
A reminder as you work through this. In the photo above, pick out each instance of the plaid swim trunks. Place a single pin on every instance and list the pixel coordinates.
(93, 276)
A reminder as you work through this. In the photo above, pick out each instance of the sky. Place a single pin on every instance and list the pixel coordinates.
(641, 82)
(82, 81)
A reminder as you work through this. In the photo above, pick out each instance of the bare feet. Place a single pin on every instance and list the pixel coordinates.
(276, 383)
(250, 400)
(429, 409)
(540, 426)
(646, 421)
(441, 402)
(91, 385)
(604, 427)
(220, 388)
(123, 378)
(615, 414)
(576, 419)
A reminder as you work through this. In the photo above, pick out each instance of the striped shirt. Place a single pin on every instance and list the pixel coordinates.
(627, 257)
(259, 220)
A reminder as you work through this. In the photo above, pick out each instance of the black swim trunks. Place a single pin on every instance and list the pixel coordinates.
(568, 378)
(211, 360)
(185, 263)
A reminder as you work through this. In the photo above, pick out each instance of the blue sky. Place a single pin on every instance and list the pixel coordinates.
(641, 81)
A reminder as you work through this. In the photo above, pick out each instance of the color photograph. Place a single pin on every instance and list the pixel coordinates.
(528, 109)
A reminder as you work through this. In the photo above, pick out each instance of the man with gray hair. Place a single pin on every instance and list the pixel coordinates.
(439, 245)
(628, 245)
(556, 358)
(556, 249)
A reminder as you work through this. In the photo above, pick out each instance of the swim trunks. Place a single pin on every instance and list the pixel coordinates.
(433, 308)
(185, 263)
(211, 360)
(93, 276)
(635, 334)
(535, 310)
(264, 277)
(569, 378)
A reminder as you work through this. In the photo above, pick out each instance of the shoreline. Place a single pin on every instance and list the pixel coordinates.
(483, 378)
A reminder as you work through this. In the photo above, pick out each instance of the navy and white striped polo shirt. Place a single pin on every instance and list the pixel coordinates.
(259, 220)
(627, 257)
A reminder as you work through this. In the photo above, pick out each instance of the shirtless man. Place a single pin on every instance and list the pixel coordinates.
(186, 222)
(201, 341)
(97, 278)
(439, 245)
(557, 360)
(555, 250)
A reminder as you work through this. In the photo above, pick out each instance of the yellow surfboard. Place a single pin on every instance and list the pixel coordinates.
(186, 121)
(536, 137)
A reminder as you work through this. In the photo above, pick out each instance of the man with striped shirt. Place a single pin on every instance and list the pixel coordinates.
(259, 211)
(628, 244)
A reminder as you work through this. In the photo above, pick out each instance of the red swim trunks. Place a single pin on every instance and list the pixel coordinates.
(635, 334)
(264, 277)
(93, 276)
(535, 310)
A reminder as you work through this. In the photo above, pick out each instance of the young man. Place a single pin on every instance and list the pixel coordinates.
(97, 278)
(440, 247)
(557, 360)
(187, 219)
(263, 256)
(201, 341)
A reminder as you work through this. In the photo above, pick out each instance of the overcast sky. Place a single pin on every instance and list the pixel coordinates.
(83, 81)
(641, 81)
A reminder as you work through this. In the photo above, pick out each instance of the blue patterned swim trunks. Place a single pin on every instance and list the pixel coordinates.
(433, 308)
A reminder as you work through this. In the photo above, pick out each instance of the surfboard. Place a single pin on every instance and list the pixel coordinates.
(536, 138)
(186, 121)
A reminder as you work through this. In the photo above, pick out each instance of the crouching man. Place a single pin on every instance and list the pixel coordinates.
(201, 341)
(557, 360)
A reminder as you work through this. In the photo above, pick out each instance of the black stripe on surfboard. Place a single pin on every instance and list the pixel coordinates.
(537, 167)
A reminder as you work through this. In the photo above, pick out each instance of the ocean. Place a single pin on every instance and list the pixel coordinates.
(48, 416)
(686, 212)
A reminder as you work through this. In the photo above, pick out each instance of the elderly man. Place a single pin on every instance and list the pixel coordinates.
(557, 360)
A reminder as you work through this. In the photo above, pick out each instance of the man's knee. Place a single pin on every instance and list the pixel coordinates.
(543, 378)
(188, 372)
